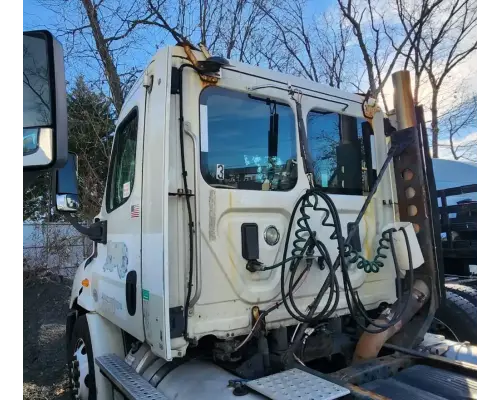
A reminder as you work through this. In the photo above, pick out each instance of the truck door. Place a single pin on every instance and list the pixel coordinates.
(117, 281)
(252, 176)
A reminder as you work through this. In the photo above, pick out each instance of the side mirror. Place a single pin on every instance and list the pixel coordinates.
(66, 186)
(45, 123)
(67, 202)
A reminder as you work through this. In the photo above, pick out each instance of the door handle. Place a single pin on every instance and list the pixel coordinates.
(131, 292)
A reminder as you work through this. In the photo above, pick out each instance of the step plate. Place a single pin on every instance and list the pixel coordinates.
(296, 384)
(132, 385)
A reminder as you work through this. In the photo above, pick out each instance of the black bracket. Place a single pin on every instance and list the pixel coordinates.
(97, 231)
(180, 193)
(176, 321)
(402, 140)
(388, 128)
(175, 84)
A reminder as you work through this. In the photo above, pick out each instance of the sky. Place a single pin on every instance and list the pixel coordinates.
(37, 16)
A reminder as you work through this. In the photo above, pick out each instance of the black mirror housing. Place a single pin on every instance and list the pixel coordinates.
(66, 186)
(65, 194)
(45, 121)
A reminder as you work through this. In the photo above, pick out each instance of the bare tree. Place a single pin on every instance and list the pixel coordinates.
(413, 14)
(447, 49)
(158, 15)
(105, 54)
(236, 28)
(460, 118)
(97, 36)
(292, 31)
(210, 20)
(432, 37)
(440, 41)
(232, 28)
(314, 47)
(252, 31)
(332, 38)
(115, 38)
(370, 29)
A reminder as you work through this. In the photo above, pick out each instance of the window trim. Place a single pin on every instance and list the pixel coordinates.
(344, 191)
(134, 112)
(256, 98)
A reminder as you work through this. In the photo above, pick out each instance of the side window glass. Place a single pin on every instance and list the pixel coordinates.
(246, 142)
(341, 158)
(122, 170)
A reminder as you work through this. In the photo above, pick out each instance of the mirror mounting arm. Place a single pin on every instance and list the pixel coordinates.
(96, 232)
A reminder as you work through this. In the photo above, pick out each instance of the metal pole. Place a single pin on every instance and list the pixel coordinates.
(403, 100)
(414, 203)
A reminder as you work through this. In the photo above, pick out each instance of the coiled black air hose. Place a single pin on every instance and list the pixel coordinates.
(358, 305)
(306, 241)
(301, 244)
(367, 265)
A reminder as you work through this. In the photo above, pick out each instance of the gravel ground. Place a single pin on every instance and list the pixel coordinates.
(44, 316)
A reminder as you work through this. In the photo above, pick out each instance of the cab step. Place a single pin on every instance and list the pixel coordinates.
(126, 380)
(296, 384)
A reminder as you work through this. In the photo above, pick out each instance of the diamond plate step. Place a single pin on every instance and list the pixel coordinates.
(132, 385)
(295, 384)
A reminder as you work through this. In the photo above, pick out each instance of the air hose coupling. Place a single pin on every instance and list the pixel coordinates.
(255, 266)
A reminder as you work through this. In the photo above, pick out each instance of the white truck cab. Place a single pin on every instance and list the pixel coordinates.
(228, 160)
(246, 212)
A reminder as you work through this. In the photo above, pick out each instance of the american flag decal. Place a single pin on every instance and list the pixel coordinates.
(135, 211)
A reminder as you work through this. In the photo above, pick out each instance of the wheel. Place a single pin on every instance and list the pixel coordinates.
(81, 362)
(468, 293)
(456, 319)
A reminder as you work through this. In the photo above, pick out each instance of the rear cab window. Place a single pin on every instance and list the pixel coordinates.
(341, 153)
(246, 142)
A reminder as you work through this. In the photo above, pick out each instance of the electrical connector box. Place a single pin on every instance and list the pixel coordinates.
(400, 247)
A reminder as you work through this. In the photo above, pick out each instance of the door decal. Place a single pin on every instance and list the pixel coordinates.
(117, 258)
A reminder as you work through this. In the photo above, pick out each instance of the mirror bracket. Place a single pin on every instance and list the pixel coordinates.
(97, 231)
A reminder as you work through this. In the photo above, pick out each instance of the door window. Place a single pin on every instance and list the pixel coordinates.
(122, 169)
